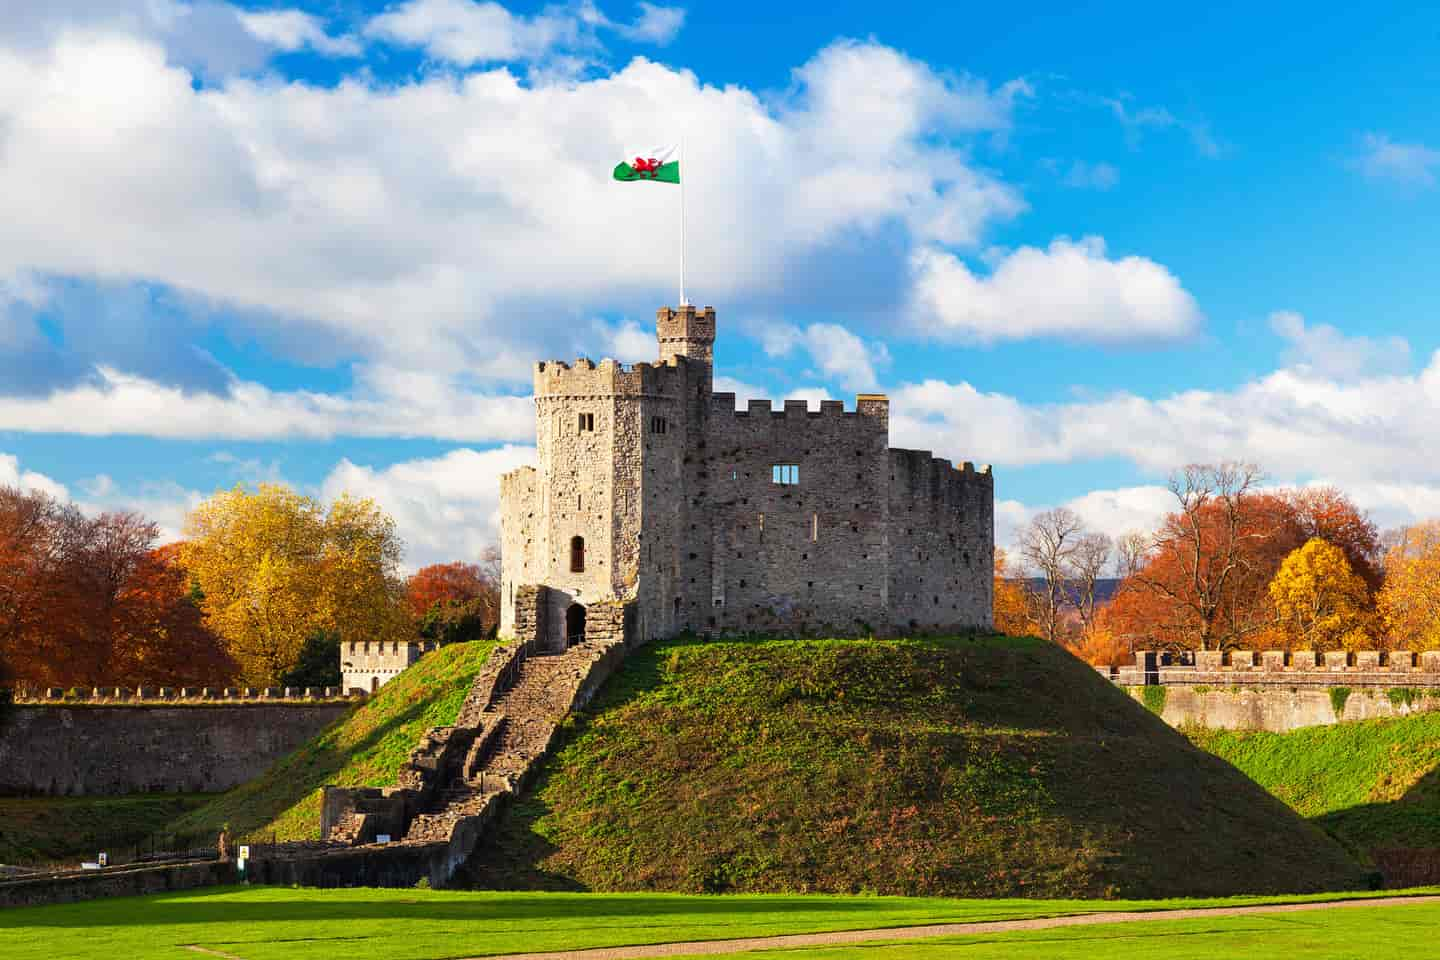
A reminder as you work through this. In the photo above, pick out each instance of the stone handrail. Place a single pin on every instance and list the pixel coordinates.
(1333, 668)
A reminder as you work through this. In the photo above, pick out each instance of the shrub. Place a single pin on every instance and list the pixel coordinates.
(1153, 696)
(1338, 697)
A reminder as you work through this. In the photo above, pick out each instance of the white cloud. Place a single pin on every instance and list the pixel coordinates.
(1071, 289)
(467, 33)
(445, 508)
(1330, 353)
(628, 342)
(1091, 176)
(28, 480)
(844, 358)
(405, 405)
(656, 24)
(1294, 422)
(292, 30)
(1409, 163)
(408, 221)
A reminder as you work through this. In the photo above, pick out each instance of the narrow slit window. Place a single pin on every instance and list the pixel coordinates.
(587, 422)
(814, 528)
(785, 474)
(577, 554)
(762, 528)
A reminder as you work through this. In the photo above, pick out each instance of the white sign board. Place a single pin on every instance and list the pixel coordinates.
(382, 838)
(104, 859)
(244, 851)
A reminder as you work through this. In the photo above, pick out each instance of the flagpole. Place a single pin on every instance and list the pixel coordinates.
(683, 174)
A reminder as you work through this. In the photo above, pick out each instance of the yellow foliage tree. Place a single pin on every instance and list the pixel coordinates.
(274, 567)
(1011, 611)
(1409, 602)
(1320, 602)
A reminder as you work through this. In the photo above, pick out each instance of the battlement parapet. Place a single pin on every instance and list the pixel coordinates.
(874, 407)
(159, 696)
(556, 380)
(1388, 668)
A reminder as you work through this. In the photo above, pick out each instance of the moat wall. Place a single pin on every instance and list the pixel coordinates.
(1281, 709)
(103, 750)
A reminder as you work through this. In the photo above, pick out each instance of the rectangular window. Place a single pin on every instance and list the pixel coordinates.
(657, 424)
(587, 422)
(786, 474)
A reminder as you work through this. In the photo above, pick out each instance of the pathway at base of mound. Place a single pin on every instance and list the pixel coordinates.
(938, 930)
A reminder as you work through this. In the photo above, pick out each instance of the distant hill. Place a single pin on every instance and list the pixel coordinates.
(998, 767)
(1104, 589)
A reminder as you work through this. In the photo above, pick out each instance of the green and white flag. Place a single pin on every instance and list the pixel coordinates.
(661, 164)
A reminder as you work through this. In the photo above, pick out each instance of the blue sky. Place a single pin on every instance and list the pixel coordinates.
(322, 242)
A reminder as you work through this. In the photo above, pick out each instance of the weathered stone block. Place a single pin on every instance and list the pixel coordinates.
(1367, 660)
(1209, 659)
(1401, 661)
(1303, 659)
(1272, 661)
(1242, 659)
(1336, 660)
(1429, 661)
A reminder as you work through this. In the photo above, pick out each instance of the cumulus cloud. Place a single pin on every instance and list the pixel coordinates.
(1330, 353)
(1409, 163)
(1070, 289)
(407, 221)
(445, 508)
(28, 480)
(406, 405)
(467, 33)
(292, 30)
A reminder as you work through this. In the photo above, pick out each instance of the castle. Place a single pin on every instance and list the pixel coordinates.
(657, 507)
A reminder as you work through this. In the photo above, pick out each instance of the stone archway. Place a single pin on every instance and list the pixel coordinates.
(574, 624)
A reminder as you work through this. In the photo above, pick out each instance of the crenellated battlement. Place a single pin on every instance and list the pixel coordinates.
(142, 696)
(557, 380)
(1388, 668)
(871, 406)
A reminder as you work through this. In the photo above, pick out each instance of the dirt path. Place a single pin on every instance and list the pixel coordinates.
(938, 930)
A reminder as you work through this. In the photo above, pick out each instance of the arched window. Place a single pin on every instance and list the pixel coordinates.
(577, 554)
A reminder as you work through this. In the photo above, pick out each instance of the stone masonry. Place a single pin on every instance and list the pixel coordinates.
(653, 492)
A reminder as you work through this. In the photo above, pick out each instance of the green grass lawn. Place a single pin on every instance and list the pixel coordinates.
(365, 748)
(1372, 784)
(40, 830)
(304, 924)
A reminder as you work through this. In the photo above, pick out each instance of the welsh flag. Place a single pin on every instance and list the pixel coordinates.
(661, 164)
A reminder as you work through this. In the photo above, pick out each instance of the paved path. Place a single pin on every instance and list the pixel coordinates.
(938, 930)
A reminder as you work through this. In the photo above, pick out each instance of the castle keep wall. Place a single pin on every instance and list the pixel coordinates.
(369, 665)
(790, 559)
(942, 541)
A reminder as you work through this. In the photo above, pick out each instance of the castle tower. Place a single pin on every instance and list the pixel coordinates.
(688, 332)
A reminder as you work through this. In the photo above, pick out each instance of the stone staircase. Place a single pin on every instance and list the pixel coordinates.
(524, 716)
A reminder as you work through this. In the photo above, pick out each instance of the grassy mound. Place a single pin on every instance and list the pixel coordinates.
(1372, 785)
(39, 830)
(365, 748)
(992, 767)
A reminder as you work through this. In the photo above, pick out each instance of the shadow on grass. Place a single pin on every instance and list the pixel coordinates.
(220, 906)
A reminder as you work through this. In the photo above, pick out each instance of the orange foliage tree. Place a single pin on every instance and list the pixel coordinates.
(442, 583)
(1011, 611)
(91, 600)
(1202, 581)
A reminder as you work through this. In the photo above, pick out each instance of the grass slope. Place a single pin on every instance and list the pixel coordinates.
(260, 923)
(993, 767)
(40, 830)
(1372, 784)
(365, 748)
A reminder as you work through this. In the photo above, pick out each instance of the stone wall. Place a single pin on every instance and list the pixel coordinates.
(94, 749)
(114, 882)
(1281, 709)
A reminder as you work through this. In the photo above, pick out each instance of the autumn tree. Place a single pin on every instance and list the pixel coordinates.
(275, 567)
(91, 600)
(1409, 602)
(1320, 601)
(1010, 611)
(444, 583)
(1087, 564)
(1048, 543)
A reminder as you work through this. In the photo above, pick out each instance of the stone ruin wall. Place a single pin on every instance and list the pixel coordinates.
(109, 747)
(1279, 691)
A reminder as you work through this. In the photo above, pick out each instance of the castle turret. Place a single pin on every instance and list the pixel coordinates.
(688, 332)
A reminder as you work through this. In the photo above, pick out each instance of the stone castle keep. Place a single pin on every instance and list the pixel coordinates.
(657, 507)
